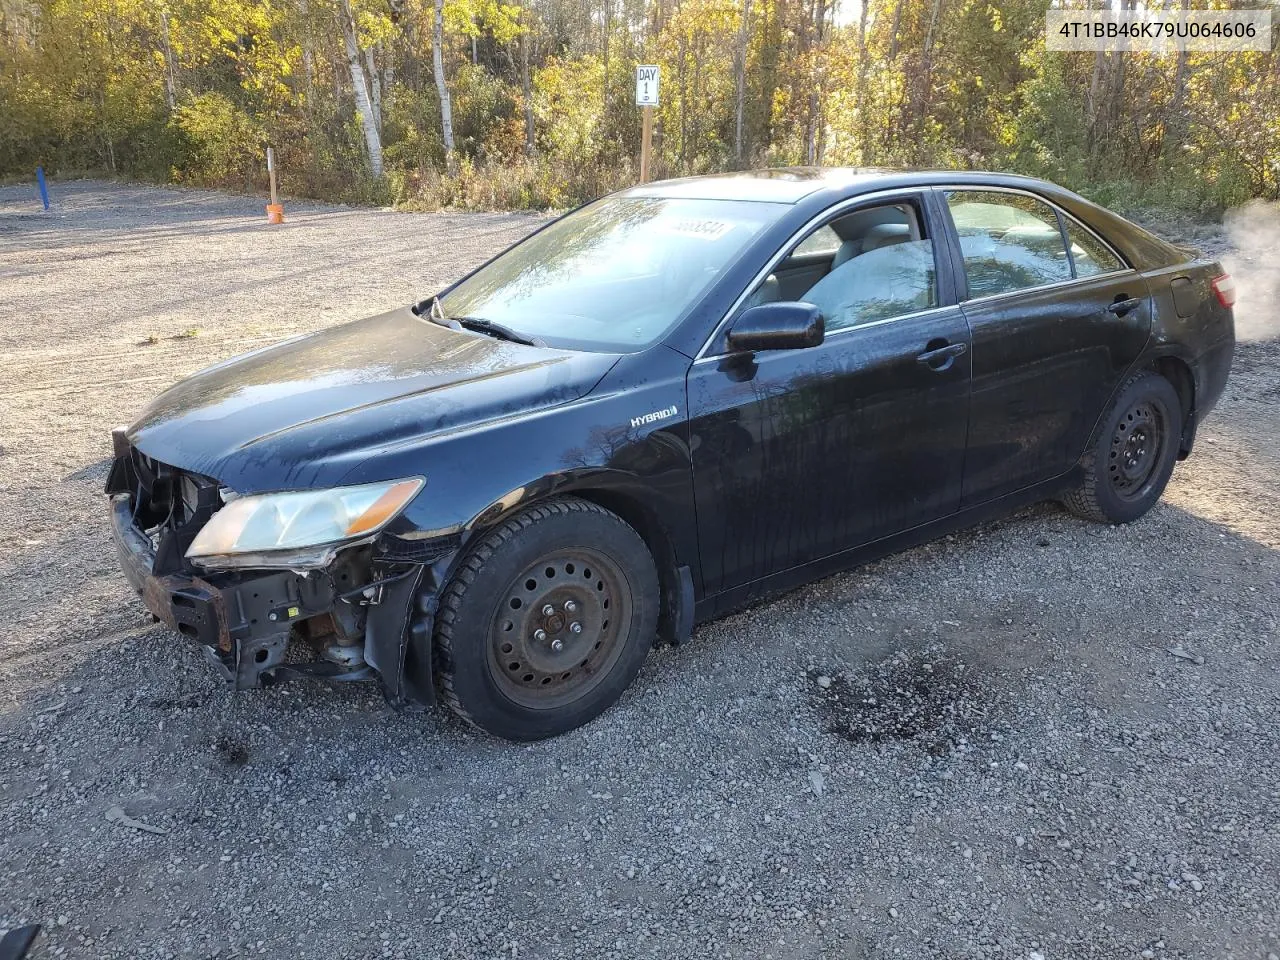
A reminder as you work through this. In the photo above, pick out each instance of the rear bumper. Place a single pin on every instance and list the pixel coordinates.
(1210, 372)
(1213, 367)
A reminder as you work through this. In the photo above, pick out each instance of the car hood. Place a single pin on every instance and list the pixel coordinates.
(305, 412)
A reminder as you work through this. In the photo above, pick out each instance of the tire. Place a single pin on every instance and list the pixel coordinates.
(508, 666)
(1132, 459)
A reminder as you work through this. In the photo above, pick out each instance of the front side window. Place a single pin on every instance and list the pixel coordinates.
(879, 264)
(1090, 255)
(615, 275)
(1009, 241)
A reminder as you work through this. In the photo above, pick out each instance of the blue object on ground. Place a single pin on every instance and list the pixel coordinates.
(44, 188)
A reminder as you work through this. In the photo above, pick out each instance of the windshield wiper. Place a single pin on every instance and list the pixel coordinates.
(499, 330)
(435, 313)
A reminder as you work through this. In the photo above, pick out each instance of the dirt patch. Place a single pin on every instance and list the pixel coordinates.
(232, 751)
(931, 698)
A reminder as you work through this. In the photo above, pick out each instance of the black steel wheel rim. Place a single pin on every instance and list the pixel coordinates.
(559, 628)
(1137, 449)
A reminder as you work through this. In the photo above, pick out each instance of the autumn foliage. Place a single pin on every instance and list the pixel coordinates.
(486, 104)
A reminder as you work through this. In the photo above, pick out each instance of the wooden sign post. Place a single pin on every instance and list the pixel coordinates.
(646, 100)
(271, 172)
(275, 212)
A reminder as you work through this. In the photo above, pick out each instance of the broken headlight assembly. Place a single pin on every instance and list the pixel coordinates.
(302, 529)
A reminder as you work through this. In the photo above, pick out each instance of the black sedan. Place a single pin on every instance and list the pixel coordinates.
(664, 405)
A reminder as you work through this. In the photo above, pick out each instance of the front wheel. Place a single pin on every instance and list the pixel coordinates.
(547, 620)
(1127, 470)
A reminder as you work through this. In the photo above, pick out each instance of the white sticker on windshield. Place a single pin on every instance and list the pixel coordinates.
(701, 229)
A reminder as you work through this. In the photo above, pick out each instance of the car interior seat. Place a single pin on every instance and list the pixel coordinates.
(894, 279)
(873, 237)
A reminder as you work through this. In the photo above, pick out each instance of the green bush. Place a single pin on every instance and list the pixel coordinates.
(224, 145)
(411, 132)
(537, 184)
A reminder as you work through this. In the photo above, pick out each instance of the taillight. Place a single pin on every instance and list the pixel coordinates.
(1224, 288)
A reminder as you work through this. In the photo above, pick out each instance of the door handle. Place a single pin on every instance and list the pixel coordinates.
(939, 358)
(1123, 306)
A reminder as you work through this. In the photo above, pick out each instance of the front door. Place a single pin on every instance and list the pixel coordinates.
(799, 454)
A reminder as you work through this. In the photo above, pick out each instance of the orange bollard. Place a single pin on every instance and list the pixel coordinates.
(275, 213)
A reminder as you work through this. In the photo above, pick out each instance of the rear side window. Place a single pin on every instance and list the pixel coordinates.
(1009, 241)
(1090, 255)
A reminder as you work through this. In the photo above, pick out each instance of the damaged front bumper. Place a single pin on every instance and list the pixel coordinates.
(362, 617)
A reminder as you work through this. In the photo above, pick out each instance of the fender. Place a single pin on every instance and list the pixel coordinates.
(399, 645)
(636, 501)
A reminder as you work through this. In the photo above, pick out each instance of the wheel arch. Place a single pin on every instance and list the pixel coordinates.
(1175, 368)
(676, 604)
(628, 498)
(1171, 363)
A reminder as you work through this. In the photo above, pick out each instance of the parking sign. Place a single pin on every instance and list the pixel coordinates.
(646, 86)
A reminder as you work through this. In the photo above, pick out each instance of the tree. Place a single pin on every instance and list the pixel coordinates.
(740, 80)
(367, 96)
(527, 103)
(442, 85)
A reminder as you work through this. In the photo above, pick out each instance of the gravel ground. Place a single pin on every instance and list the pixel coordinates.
(1039, 739)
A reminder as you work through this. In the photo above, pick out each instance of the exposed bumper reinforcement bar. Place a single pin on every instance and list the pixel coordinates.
(244, 621)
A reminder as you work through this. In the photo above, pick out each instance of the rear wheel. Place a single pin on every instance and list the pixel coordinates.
(1127, 470)
(547, 621)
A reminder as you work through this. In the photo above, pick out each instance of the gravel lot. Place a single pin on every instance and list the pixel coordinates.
(1039, 739)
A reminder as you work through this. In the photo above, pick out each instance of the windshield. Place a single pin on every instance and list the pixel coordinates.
(615, 275)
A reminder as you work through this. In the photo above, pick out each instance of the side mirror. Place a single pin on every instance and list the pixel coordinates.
(778, 326)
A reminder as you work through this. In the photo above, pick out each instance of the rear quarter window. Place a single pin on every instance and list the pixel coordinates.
(1089, 254)
(822, 242)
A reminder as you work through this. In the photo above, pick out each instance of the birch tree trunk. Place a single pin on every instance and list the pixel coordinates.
(360, 84)
(526, 88)
(375, 88)
(1109, 110)
(684, 102)
(860, 95)
(740, 74)
(308, 58)
(170, 74)
(608, 28)
(813, 122)
(442, 88)
(1093, 105)
(925, 91)
(1175, 119)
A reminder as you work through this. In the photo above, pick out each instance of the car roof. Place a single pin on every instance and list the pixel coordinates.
(793, 184)
(774, 185)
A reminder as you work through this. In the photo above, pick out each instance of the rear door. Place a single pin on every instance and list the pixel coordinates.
(1057, 320)
(800, 454)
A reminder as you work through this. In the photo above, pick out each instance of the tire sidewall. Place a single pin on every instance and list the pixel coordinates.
(1159, 392)
(473, 684)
